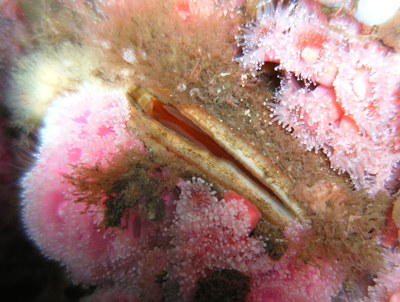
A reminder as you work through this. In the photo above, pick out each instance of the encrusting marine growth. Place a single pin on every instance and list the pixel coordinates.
(164, 174)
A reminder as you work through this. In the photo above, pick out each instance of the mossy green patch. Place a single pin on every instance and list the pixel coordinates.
(129, 181)
(276, 243)
(345, 233)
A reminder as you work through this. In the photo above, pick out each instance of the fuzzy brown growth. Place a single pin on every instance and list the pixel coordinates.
(136, 189)
(51, 23)
(389, 32)
(131, 181)
(168, 49)
(344, 232)
(276, 243)
(396, 213)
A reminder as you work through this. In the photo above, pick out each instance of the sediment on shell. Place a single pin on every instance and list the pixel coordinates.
(221, 171)
(259, 165)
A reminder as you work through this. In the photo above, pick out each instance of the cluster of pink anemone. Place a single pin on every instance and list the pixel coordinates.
(340, 89)
(86, 127)
(214, 234)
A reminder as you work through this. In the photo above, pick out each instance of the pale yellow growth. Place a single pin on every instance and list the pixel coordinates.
(39, 78)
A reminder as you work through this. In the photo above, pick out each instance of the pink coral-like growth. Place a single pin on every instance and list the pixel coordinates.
(213, 235)
(83, 127)
(387, 281)
(291, 280)
(349, 106)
